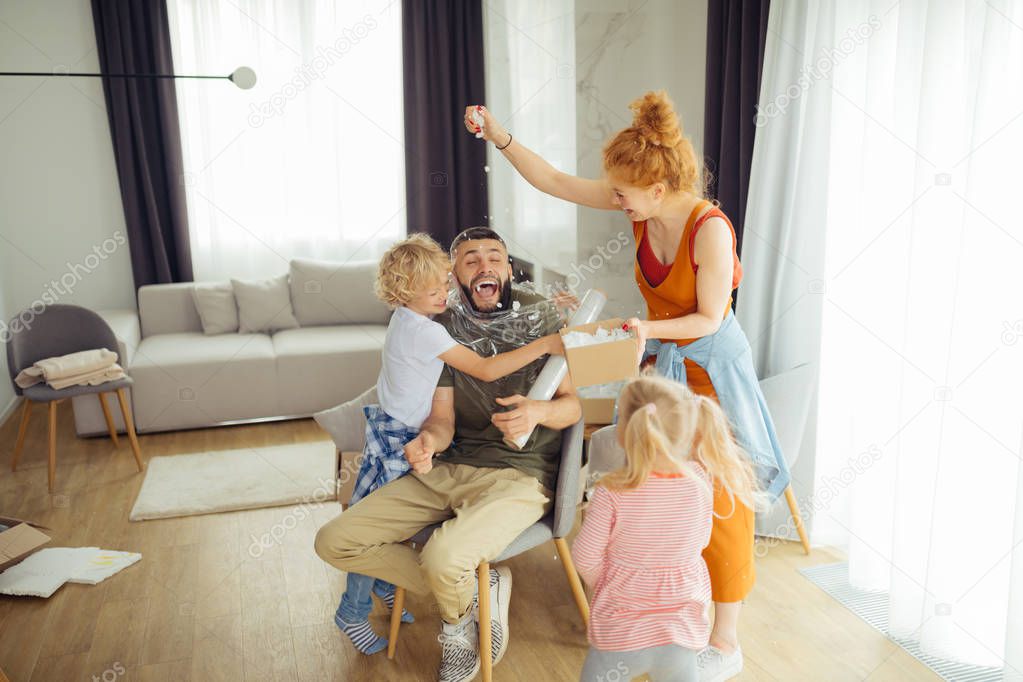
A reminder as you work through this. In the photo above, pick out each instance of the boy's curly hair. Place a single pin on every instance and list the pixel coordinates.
(408, 267)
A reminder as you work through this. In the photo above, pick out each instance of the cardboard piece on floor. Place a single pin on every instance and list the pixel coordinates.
(18, 541)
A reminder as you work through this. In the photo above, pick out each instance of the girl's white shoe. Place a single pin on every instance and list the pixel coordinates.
(716, 666)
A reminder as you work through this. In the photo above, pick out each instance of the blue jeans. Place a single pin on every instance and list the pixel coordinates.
(357, 601)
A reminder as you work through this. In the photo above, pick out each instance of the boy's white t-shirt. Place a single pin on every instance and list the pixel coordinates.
(411, 367)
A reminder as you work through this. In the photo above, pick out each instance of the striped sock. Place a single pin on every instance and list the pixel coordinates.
(362, 636)
(406, 617)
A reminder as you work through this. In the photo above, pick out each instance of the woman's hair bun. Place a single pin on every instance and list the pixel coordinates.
(655, 120)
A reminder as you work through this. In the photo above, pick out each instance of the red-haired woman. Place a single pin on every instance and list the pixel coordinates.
(686, 269)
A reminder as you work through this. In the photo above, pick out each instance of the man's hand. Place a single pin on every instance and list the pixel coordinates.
(419, 452)
(521, 420)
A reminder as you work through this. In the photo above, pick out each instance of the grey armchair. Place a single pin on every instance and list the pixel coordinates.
(555, 526)
(61, 330)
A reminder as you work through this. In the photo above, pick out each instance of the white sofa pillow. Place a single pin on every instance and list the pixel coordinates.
(216, 306)
(263, 305)
(335, 293)
(346, 423)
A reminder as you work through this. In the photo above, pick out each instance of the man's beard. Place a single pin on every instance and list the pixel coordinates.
(503, 304)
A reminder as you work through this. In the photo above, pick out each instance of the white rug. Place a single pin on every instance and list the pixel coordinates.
(228, 480)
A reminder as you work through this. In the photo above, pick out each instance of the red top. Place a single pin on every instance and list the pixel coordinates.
(654, 270)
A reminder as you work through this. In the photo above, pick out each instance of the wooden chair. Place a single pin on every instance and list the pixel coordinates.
(60, 330)
(788, 396)
(555, 526)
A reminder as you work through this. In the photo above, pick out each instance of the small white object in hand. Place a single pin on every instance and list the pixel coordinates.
(602, 335)
(477, 118)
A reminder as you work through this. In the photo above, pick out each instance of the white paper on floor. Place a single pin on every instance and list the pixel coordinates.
(42, 573)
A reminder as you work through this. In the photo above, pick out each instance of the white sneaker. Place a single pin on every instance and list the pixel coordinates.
(459, 659)
(500, 600)
(716, 666)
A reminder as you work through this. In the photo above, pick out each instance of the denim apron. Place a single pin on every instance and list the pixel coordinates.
(728, 360)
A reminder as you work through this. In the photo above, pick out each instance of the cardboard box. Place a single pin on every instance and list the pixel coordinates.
(598, 410)
(18, 541)
(602, 363)
(599, 401)
(347, 471)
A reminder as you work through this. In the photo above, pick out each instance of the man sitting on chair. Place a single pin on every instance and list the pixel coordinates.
(465, 476)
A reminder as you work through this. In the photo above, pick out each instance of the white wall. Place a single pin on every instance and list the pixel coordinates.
(58, 183)
(623, 49)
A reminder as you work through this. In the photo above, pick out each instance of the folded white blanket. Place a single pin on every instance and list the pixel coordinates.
(84, 368)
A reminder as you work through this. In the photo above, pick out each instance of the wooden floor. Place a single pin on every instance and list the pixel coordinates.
(200, 606)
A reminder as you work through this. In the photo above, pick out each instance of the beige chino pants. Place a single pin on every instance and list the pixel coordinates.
(482, 509)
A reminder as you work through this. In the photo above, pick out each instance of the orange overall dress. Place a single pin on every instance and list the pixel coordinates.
(729, 555)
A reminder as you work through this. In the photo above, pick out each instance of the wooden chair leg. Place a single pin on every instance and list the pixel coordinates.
(573, 580)
(22, 430)
(797, 517)
(52, 466)
(399, 604)
(130, 425)
(110, 420)
(483, 581)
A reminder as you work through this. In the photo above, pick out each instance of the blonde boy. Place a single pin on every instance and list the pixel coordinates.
(413, 279)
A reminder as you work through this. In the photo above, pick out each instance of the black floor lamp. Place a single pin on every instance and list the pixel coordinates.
(243, 76)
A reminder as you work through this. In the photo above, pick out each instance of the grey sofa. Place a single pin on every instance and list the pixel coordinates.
(185, 379)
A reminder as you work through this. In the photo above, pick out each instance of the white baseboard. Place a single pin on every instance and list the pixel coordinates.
(8, 410)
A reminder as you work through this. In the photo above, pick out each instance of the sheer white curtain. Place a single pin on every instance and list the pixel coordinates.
(530, 58)
(308, 163)
(886, 180)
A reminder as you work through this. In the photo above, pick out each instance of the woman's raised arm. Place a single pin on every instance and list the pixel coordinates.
(536, 171)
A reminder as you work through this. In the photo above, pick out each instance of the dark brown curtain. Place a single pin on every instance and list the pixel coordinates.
(133, 36)
(736, 35)
(445, 184)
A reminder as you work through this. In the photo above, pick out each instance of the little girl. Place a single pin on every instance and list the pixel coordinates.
(413, 279)
(639, 548)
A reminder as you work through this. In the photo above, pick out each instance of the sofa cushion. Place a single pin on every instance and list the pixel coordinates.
(187, 380)
(320, 367)
(263, 305)
(216, 306)
(335, 293)
(346, 423)
(168, 309)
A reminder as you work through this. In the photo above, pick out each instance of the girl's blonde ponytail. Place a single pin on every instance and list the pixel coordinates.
(663, 417)
(716, 450)
(644, 440)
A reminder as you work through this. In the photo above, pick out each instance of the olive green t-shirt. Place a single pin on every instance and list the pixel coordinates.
(477, 441)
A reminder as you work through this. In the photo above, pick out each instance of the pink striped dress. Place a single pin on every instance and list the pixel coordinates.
(640, 551)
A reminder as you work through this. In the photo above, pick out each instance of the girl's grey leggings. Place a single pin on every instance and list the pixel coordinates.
(668, 663)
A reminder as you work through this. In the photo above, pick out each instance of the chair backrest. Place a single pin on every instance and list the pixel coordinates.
(57, 330)
(566, 497)
(788, 396)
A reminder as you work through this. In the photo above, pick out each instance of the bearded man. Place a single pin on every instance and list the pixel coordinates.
(483, 491)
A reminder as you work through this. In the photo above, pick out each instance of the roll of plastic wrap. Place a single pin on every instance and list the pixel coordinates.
(554, 371)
